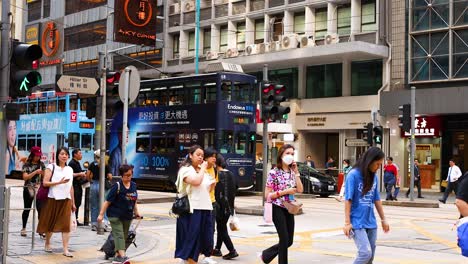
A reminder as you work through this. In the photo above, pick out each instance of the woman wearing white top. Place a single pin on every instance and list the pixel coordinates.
(55, 216)
(194, 234)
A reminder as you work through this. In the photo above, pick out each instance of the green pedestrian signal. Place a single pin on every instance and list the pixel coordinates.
(22, 76)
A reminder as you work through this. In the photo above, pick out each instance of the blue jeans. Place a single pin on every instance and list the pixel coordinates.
(389, 188)
(94, 200)
(365, 243)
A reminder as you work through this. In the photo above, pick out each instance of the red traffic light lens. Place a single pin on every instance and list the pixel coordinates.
(279, 89)
(113, 77)
(267, 88)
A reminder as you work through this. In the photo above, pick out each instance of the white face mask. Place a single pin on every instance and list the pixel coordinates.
(288, 159)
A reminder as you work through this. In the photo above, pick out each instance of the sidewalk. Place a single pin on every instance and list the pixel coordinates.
(84, 243)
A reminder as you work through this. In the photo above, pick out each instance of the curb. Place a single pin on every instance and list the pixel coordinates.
(412, 204)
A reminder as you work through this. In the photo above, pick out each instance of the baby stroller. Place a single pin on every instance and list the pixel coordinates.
(109, 246)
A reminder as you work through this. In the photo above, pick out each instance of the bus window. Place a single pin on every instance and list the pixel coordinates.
(142, 142)
(22, 108)
(30, 142)
(73, 140)
(210, 93)
(32, 108)
(38, 141)
(73, 103)
(225, 142)
(176, 95)
(86, 141)
(243, 92)
(226, 91)
(241, 142)
(209, 139)
(52, 106)
(22, 143)
(194, 91)
(170, 142)
(61, 105)
(83, 104)
(42, 107)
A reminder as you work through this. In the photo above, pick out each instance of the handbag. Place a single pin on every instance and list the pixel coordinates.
(73, 223)
(268, 211)
(181, 205)
(32, 189)
(444, 183)
(43, 192)
(293, 207)
(234, 222)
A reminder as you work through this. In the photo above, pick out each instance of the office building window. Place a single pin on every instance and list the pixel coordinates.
(240, 36)
(288, 77)
(344, 20)
(320, 23)
(176, 45)
(430, 16)
(368, 16)
(259, 31)
(460, 12)
(86, 35)
(324, 81)
(78, 5)
(46, 7)
(191, 43)
(206, 40)
(460, 53)
(277, 26)
(366, 77)
(223, 38)
(299, 23)
(430, 56)
(256, 5)
(34, 11)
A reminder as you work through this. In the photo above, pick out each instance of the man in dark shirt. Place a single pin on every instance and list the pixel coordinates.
(79, 177)
(417, 179)
(462, 196)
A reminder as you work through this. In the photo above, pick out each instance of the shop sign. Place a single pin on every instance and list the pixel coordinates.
(425, 126)
(32, 34)
(51, 43)
(316, 121)
(135, 22)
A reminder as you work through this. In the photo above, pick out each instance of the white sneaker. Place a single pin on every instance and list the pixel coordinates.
(208, 260)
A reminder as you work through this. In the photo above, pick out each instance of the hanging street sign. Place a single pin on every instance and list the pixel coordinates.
(77, 84)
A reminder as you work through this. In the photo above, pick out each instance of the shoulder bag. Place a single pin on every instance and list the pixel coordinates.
(181, 205)
(43, 192)
(293, 207)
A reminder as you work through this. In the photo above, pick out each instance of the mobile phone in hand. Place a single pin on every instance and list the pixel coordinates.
(351, 234)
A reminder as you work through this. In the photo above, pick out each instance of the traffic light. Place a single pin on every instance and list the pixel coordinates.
(378, 135)
(91, 103)
(405, 117)
(22, 76)
(268, 109)
(282, 111)
(112, 78)
(367, 135)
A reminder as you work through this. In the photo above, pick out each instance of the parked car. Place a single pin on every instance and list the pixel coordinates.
(314, 182)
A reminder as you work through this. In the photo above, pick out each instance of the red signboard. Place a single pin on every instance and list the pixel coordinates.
(73, 116)
(426, 126)
(135, 21)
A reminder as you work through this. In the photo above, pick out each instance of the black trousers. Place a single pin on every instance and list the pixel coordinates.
(284, 223)
(77, 195)
(452, 186)
(223, 235)
(417, 184)
(27, 202)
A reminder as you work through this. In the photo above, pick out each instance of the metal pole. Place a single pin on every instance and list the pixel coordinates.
(5, 84)
(102, 160)
(125, 115)
(265, 138)
(413, 147)
(197, 33)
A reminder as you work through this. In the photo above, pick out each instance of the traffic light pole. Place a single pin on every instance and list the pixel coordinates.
(413, 147)
(264, 138)
(4, 66)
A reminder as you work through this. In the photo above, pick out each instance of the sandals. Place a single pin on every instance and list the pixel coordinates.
(24, 232)
(68, 255)
(48, 250)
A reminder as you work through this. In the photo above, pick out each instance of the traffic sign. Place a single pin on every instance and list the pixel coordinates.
(356, 142)
(134, 84)
(77, 84)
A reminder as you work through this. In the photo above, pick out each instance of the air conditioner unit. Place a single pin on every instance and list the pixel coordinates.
(332, 38)
(275, 46)
(231, 53)
(251, 49)
(211, 55)
(306, 41)
(189, 6)
(289, 42)
(263, 48)
(174, 9)
(176, 56)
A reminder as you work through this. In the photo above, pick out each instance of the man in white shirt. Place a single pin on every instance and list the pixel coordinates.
(452, 180)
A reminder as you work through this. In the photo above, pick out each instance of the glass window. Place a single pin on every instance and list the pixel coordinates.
(425, 16)
(257, 5)
(73, 140)
(46, 8)
(366, 77)
(86, 35)
(143, 142)
(320, 22)
(299, 23)
(238, 8)
(288, 77)
(223, 38)
(163, 142)
(430, 56)
(259, 31)
(22, 143)
(241, 142)
(344, 20)
(243, 92)
(206, 40)
(34, 11)
(77, 6)
(460, 53)
(86, 141)
(32, 108)
(225, 142)
(226, 91)
(52, 106)
(194, 91)
(208, 139)
(210, 92)
(61, 105)
(368, 16)
(191, 44)
(175, 50)
(42, 107)
(460, 12)
(277, 27)
(73, 103)
(324, 81)
(240, 36)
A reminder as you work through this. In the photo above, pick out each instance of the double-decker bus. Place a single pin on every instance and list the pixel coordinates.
(170, 115)
(51, 120)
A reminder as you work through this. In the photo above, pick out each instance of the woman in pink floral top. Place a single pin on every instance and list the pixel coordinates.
(282, 183)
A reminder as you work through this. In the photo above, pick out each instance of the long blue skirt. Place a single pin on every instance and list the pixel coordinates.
(194, 235)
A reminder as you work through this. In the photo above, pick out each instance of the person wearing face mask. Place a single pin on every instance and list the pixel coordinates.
(346, 169)
(283, 182)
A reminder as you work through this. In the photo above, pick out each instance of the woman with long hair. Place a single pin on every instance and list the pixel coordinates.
(194, 235)
(282, 183)
(55, 216)
(33, 170)
(361, 195)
